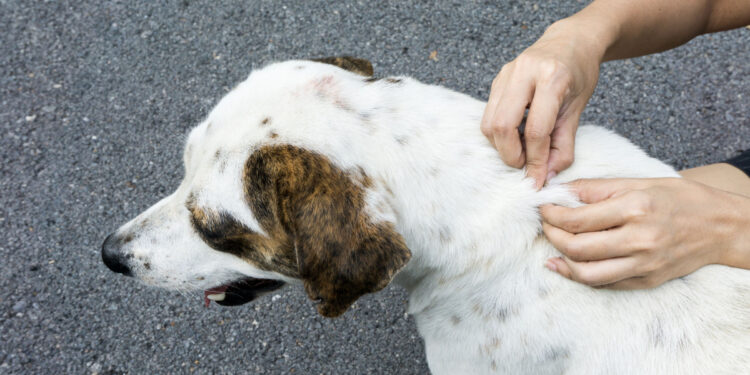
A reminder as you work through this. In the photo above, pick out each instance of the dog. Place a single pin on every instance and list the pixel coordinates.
(317, 173)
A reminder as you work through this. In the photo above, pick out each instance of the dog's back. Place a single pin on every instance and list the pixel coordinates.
(503, 312)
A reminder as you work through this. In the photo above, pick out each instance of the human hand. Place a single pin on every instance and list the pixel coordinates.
(554, 78)
(640, 233)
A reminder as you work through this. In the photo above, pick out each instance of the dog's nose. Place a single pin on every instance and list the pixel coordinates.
(112, 256)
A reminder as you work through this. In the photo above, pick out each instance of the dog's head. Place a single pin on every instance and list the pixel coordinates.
(263, 202)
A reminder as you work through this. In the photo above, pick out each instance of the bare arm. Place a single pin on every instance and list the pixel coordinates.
(640, 27)
(556, 76)
(720, 176)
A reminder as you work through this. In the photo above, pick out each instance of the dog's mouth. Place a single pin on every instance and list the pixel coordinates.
(240, 292)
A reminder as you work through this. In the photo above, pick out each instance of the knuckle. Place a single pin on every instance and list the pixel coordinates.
(555, 71)
(525, 59)
(639, 206)
(502, 128)
(651, 267)
(649, 240)
(535, 133)
(575, 253)
(565, 160)
(505, 70)
(651, 282)
(486, 128)
(549, 67)
(571, 224)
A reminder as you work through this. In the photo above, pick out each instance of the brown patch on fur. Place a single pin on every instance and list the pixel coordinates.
(372, 79)
(393, 80)
(363, 178)
(352, 64)
(265, 121)
(301, 198)
(223, 232)
(273, 135)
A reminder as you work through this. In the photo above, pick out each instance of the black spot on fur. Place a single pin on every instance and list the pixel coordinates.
(372, 79)
(502, 314)
(127, 238)
(352, 64)
(657, 332)
(556, 354)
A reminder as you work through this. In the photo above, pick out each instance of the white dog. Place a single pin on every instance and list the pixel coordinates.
(310, 174)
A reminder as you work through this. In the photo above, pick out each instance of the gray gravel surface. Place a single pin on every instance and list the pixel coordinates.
(97, 97)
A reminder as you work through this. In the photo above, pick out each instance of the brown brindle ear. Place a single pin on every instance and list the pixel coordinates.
(352, 64)
(300, 196)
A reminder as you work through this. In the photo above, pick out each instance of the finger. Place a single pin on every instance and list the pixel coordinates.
(595, 273)
(596, 190)
(592, 217)
(491, 108)
(562, 146)
(592, 246)
(634, 283)
(539, 125)
(510, 108)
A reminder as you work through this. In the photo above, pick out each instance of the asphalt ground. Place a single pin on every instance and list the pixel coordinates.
(97, 97)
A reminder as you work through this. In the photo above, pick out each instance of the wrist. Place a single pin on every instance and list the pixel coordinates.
(737, 250)
(589, 38)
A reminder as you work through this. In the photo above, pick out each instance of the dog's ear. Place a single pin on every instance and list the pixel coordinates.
(300, 197)
(352, 64)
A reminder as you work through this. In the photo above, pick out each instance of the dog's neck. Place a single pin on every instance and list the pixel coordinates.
(459, 221)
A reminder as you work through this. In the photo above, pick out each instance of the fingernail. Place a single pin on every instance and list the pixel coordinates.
(551, 265)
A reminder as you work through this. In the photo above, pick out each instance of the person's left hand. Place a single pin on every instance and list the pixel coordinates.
(640, 233)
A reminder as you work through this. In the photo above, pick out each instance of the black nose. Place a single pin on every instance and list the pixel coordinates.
(112, 257)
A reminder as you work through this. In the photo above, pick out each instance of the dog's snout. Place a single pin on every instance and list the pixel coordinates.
(112, 256)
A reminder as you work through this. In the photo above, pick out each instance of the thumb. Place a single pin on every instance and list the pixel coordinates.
(599, 189)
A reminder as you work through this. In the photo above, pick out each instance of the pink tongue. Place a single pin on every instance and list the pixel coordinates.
(217, 290)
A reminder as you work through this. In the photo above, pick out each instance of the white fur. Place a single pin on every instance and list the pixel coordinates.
(481, 297)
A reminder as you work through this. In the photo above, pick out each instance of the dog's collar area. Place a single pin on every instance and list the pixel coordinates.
(240, 292)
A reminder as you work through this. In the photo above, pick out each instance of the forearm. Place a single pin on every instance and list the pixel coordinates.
(735, 217)
(629, 28)
(720, 176)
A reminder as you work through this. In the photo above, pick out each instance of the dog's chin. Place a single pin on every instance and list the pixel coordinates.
(241, 291)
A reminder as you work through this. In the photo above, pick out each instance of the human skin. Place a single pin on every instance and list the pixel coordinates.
(640, 233)
(672, 226)
(556, 76)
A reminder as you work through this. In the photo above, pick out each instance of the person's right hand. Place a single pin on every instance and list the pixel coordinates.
(554, 78)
